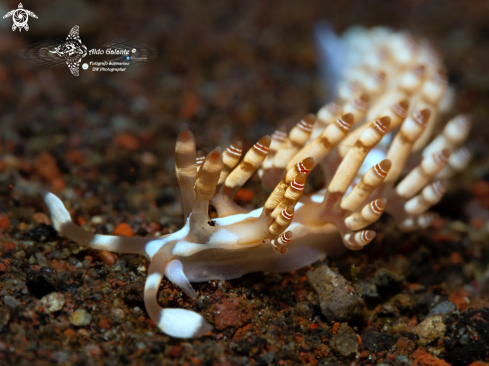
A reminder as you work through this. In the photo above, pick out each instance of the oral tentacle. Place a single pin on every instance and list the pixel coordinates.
(186, 168)
(64, 225)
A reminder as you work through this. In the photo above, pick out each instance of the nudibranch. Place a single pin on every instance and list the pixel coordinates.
(390, 99)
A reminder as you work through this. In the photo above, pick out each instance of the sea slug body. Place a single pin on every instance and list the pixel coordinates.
(389, 100)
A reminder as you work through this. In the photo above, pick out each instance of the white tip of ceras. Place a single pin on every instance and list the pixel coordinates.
(181, 323)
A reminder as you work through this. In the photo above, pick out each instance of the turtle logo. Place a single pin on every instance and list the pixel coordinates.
(20, 17)
(72, 50)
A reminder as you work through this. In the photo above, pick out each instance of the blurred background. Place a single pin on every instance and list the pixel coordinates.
(227, 68)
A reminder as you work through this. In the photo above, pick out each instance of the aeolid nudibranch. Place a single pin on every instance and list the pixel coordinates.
(389, 101)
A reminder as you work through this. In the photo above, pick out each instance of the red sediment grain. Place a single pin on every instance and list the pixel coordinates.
(46, 167)
(108, 258)
(8, 246)
(245, 195)
(4, 222)
(127, 141)
(75, 156)
(459, 298)
(123, 229)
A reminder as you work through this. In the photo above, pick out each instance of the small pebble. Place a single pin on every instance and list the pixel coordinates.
(149, 158)
(430, 329)
(53, 302)
(304, 309)
(97, 220)
(338, 299)
(20, 255)
(11, 301)
(142, 269)
(41, 260)
(402, 359)
(444, 307)
(108, 258)
(117, 315)
(459, 226)
(345, 342)
(80, 318)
